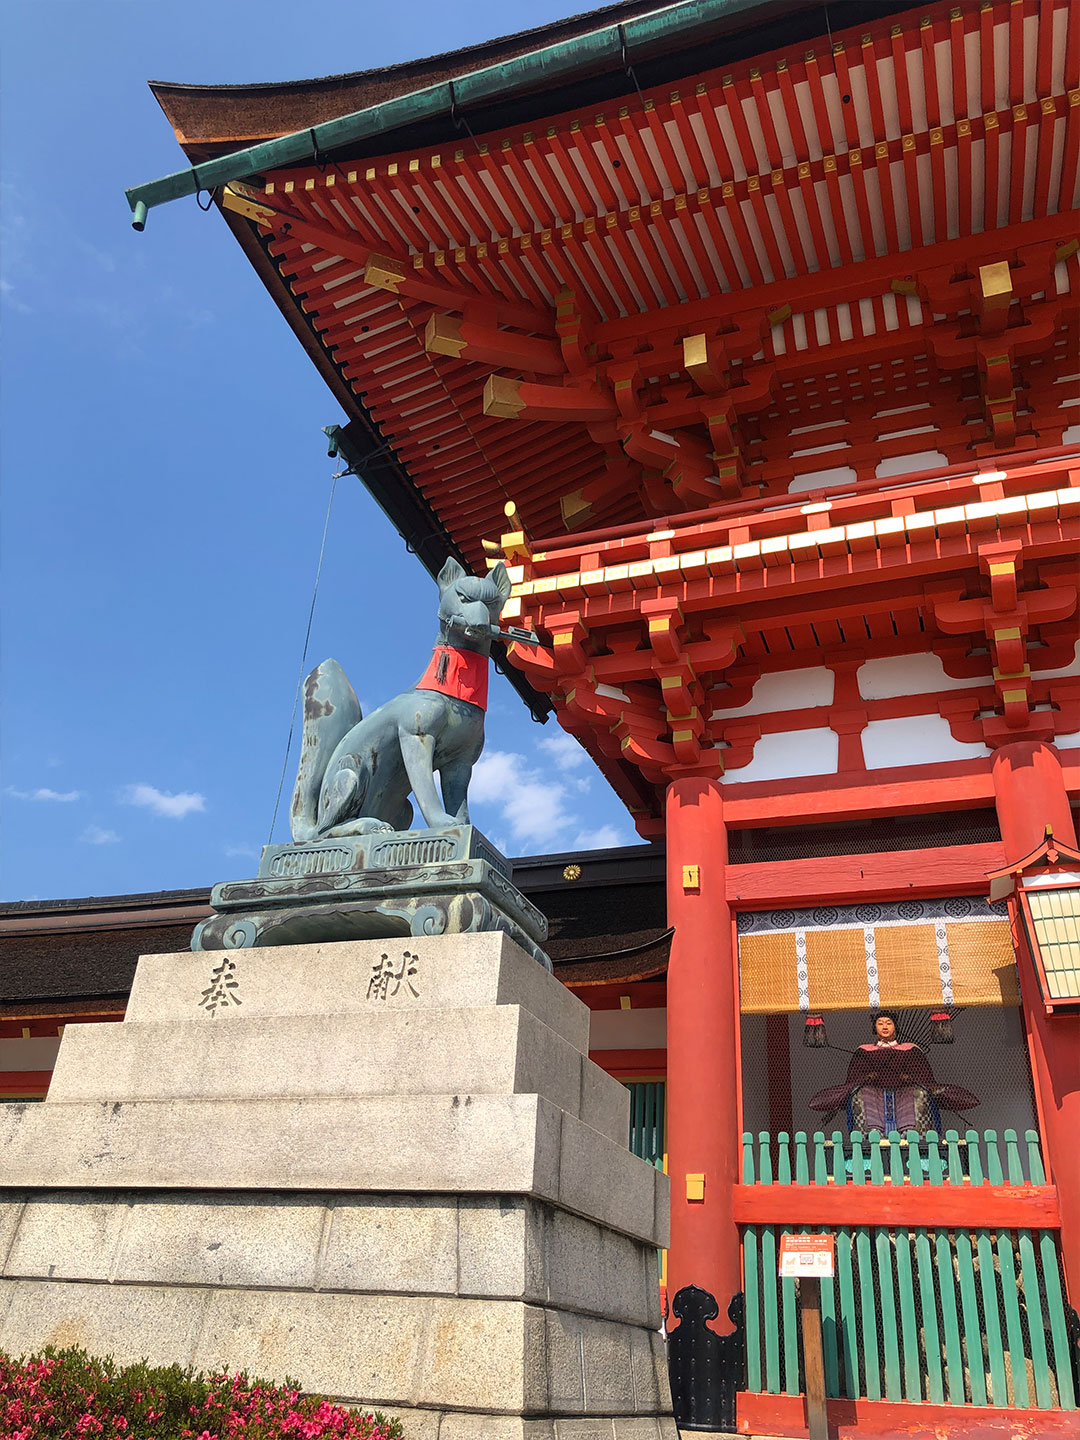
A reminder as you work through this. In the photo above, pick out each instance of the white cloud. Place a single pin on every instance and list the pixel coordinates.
(9, 297)
(44, 793)
(250, 851)
(163, 802)
(532, 806)
(95, 835)
(605, 838)
(567, 753)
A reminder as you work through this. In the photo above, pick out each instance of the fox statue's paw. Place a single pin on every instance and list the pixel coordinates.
(443, 821)
(365, 825)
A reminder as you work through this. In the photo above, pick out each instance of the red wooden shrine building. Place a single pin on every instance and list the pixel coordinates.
(747, 333)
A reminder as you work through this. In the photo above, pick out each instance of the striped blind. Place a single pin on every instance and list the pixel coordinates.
(914, 953)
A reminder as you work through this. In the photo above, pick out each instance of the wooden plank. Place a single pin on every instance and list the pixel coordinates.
(868, 1301)
(802, 1164)
(1013, 1328)
(822, 799)
(1009, 1297)
(747, 1158)
(935, 1391)
(954, 1360)
(813, 1357)
(1059, 1336)
(961, 868)
(752, 1289)
(988, 1284)
(790, 1330)
(1033, 1299)
(770, 1307)
(965, 1269)
(1060, 1343)
(859, 1419)
(848, 1340)
(828, 1286)
(788, 1308)
(890, 1342)
(1033, 1206)
(905, 1284)
(751, 1278)
(637, 1099)
(650, 1149)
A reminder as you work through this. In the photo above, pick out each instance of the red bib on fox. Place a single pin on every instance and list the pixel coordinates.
(461, 673)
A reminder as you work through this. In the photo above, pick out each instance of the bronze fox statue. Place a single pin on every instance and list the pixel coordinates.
(356, 772)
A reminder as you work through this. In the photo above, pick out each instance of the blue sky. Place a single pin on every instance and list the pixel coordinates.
(166, 481)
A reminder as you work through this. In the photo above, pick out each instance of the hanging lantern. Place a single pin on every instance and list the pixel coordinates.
(814, 1036)
(941, 1031)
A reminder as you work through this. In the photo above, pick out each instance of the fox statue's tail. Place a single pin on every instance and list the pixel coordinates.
(331, 709)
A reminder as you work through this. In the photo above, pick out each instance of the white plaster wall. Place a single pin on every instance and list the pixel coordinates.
(818, 479)
(34, 1054)
(628, 1029)
(911, 464)
(889, 677)
(786, 690)
(914, 740)
(1072, 668)
(791, 755)
(894, 676)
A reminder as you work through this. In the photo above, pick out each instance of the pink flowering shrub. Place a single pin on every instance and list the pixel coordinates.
(70, 1395)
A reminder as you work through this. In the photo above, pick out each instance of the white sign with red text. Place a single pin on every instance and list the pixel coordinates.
(807, 1255)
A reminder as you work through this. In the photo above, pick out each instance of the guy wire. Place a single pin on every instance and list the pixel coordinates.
(303, 658)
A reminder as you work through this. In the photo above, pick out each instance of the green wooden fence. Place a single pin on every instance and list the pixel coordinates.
(647, 1120)
(940, 1315)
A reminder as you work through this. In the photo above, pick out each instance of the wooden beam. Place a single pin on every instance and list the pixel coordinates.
(383, 272)
(763, 1414)
(521, 400)
(467, 340)
(954, 869)
(849, 283)
(821, 799)
(1008, 1206)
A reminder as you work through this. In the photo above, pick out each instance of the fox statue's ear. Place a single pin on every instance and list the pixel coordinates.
(450, 572)
(501, 581)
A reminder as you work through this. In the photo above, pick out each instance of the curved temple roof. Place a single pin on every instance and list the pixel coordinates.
(647, 264)
(770, 200)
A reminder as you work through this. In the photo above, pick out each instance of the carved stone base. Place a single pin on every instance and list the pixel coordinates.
(374, 887)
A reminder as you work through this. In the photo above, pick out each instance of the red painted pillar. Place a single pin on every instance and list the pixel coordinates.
(703, 1016)
(1030, 794)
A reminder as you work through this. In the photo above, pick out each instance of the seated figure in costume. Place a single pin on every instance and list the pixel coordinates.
(890, 1086)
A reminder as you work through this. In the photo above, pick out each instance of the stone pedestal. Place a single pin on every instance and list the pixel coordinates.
(386, 1168)
(378, 886)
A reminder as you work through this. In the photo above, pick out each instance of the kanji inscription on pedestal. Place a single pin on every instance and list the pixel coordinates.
(389, 975)
(221, 990)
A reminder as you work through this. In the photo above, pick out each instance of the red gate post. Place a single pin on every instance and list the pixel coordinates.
(1030, 794)
(703, 1013)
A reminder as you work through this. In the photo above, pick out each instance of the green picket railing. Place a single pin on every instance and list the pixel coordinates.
(936, 1314)
(647, 1120)
(647, 1129)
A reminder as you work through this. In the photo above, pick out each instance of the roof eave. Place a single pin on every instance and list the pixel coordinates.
(610, 47)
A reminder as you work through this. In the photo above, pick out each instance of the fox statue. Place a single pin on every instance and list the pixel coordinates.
(356, 772)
